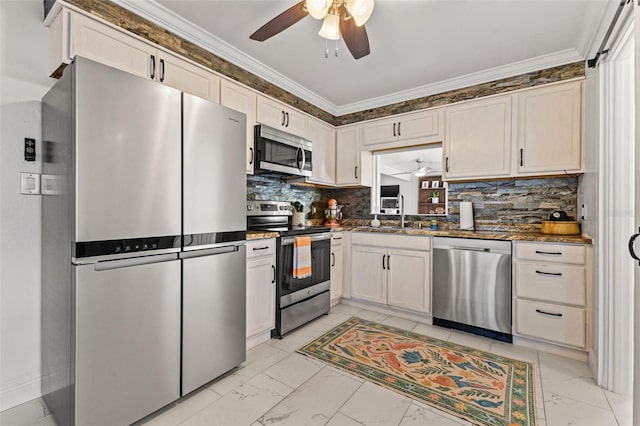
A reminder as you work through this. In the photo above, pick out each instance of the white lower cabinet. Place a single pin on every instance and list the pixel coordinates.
(551, 295)
(392, 270)
(337, 267)
(261, 290)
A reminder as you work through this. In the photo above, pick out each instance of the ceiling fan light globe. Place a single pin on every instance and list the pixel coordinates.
(360, 10)
(318, 8)
(330, 27)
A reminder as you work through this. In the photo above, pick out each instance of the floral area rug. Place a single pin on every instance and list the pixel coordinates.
(478, 386)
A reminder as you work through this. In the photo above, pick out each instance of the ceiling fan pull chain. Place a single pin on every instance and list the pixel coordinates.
(336, 48)
(326, 49)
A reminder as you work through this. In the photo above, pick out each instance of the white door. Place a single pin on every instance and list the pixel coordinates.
(261, 278)
(241, 99)
(337, 271)
(636, 381)
(369, 273)
(347, 156)
(408, 279)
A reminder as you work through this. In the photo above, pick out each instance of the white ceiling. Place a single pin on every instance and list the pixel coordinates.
(405, 161)
(418, 48)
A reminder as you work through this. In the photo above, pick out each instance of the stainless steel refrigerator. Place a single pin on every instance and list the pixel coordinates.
(143, 279)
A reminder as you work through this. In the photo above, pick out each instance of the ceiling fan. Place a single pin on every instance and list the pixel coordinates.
(420, 170)
(341, 17)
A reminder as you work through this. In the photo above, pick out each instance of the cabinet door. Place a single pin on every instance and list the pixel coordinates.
(296, 123)
(380, 131)
(337, 271)
(323, 137)
(408, 279)
(241, 99)
(418, 125)
(549, 129)
(348, 171)
(186, 77)
(270, 112)
(369, 278)
(478, 139)
(101, 43)
(261, 295)
(281, 116)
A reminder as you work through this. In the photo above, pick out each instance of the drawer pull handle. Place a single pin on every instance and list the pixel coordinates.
(260, 248)
(548, 313)
(337, 238)
(557, 274)
(383, 257)
(555, 253)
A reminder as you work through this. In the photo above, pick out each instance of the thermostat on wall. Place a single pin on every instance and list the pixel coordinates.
(29, 183)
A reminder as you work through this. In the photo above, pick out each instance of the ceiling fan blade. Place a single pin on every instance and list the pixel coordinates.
(280, 22)
(355, 37)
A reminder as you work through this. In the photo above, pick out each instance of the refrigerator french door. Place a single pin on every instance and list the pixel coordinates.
(213, 255)
(127, 338)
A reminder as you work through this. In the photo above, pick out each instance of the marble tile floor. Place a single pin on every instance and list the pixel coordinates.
(277, 386)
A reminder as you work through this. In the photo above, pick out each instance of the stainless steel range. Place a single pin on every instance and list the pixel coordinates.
(298, 300)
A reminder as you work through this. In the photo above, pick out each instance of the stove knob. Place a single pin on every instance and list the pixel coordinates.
(249, 208)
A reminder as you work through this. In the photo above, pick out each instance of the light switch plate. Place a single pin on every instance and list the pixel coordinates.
(30, 183)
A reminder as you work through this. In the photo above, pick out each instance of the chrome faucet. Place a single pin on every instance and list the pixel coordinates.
(401, 211)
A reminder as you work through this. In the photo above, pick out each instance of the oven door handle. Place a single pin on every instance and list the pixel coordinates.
(316, 237)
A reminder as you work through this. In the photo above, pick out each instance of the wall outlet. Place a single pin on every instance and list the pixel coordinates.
(30, 183)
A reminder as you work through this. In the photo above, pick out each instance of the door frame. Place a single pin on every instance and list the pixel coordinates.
(617, 212)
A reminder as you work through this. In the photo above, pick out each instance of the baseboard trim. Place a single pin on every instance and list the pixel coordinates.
(20, 391)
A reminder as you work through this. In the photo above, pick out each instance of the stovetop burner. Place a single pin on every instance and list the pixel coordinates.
(275, 216)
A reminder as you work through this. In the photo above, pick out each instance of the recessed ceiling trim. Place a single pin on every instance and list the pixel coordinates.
(169, 20)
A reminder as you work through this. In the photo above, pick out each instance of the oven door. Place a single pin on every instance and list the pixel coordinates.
(277, 151)
(292, 290)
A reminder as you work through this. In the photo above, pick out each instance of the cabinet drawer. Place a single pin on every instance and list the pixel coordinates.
(259, 248)
(555, 323)
(409, 242)
(556, 283)
(336, 239)
(561, 253)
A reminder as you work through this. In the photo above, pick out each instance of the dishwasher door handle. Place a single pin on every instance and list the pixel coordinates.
(484, 250)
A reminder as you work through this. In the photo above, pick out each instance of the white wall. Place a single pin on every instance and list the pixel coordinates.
(23, 81)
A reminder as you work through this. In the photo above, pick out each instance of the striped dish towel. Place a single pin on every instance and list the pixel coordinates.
(302, 257)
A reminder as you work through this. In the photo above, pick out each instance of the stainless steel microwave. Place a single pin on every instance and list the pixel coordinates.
(280, 152)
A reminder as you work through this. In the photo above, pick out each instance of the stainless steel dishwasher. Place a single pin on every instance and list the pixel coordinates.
(472, 286)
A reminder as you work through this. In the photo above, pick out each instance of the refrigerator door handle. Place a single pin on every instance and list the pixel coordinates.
(209, 252)
(137, 261)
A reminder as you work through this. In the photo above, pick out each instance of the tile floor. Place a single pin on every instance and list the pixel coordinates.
(277, 386)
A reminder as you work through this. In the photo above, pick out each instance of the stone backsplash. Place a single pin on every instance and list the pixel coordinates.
(498, 202)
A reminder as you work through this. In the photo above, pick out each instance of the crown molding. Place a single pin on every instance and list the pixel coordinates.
(172, 22)
(167, 19)
(516, 68)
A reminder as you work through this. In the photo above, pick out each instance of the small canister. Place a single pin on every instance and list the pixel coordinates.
(434, 225)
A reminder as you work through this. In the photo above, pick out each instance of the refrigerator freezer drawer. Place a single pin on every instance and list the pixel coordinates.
(127, 341)
(214, 316)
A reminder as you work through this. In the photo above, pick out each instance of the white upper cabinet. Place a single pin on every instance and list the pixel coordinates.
(422, 127)
(352, 166)
(282, 116)
(550, 129)
(239, 98)
(84, 36)
(101, 43)
(323, 137)
(184, 76)
(477, 141)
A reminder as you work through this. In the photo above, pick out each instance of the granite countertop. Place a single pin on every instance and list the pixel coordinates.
(483, 235)
(258, 235)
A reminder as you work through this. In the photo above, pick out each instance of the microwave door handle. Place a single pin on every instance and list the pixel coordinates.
(304, 158)
(298, 160)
